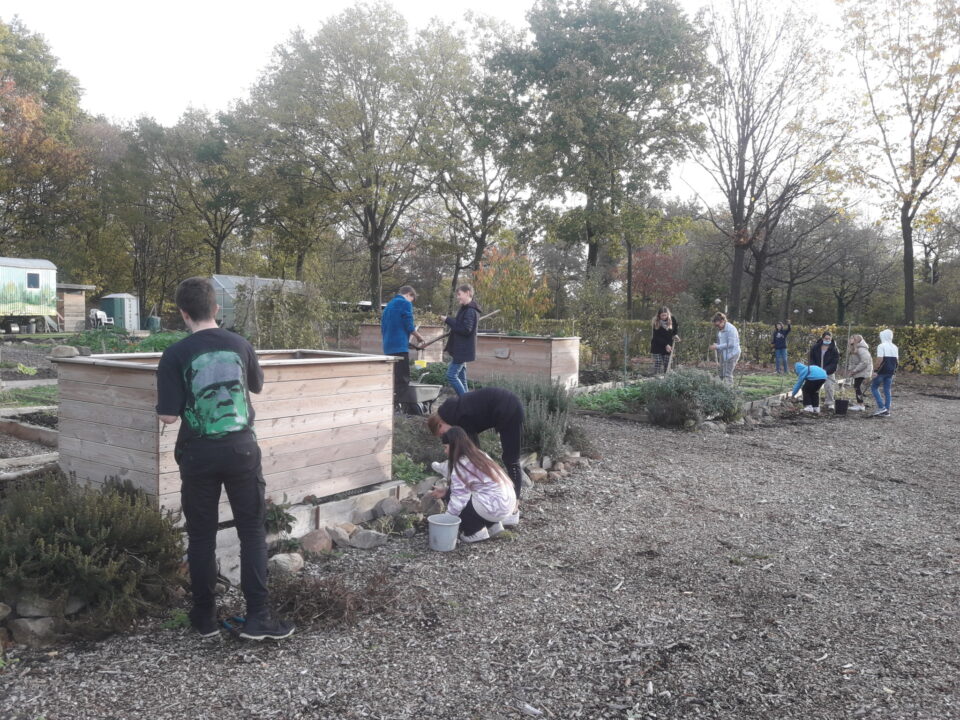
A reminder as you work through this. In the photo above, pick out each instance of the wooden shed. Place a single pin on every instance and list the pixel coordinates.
(541, 358)
(72, 306)
(371, 341)
(324, 421)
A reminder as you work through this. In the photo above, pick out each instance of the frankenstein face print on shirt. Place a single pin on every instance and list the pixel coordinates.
(217, 401)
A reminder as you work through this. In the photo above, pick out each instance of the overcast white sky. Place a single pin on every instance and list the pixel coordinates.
(157, 59)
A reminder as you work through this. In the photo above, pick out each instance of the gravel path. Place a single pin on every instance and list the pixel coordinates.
(802, 568)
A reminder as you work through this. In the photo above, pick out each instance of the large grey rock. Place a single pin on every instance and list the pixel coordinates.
(367, 539)
(286, 563)
(537, 475)
(546, 462)
(430, 505)
(4, 611)
(34, 632)
(64, 351)
(339, 536)
(317, 541)
(30, 604)
(388, 506)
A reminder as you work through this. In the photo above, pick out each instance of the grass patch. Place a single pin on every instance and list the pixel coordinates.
(757, 387)
(25, 397)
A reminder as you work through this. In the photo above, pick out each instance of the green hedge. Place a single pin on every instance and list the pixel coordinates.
(923, 348)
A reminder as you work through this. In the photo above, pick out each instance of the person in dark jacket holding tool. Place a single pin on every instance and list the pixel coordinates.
(462, 343)
(490, 408)
(666, 330)
(824, 354)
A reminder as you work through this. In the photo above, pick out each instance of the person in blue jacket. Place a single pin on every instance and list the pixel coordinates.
(810, 378)
(396, 327)
(779, 343)
(462, 344)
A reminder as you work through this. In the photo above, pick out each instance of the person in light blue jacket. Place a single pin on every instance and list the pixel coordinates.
(810, 378)
(727, 346)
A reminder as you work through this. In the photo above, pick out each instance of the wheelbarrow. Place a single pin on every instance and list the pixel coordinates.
(422, 397)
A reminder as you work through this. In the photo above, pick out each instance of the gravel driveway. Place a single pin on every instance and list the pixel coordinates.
(803, 568)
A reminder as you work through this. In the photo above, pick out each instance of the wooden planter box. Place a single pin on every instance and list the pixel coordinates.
(324, 421)
(541, 358)
(372, 342)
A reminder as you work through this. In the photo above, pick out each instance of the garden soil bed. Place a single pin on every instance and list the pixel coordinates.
(806, 567)
(30, 354)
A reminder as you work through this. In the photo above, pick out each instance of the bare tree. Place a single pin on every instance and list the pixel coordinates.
(767, 145)
(908, 57)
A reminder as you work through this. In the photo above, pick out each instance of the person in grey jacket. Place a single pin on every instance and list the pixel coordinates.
(859, 367)
(727, 346)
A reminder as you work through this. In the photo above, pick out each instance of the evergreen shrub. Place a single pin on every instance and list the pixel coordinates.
(546, 409)
(110, 548)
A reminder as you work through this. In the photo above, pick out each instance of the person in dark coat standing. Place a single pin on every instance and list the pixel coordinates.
(666, 329)
(396, 327)
(462, 343)
(490, 408)
(779, 344)
(825, 355)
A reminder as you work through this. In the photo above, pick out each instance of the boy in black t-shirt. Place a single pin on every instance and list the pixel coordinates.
(206, 380)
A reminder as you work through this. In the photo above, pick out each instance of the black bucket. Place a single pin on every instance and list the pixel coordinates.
(841, 406)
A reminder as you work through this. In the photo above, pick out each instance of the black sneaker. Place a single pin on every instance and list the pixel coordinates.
(265, 627)
(204, 622)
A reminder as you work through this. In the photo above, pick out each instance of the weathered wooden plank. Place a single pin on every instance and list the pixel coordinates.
(96, 473)
(318, 371)
(364, 478)
(308, 406)
(271, 427)
(108, 415)
(122, 397)
(110, 455)
(143, 440)
(319, 388)
(317, 475)
(327, 437)
(119, 377)
(316, 458)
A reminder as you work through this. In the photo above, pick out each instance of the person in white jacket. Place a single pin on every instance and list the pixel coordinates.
(859, 367)
(727, 346)
(480, 492)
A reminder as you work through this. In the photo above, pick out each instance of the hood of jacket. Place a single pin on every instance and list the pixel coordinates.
(886, 336)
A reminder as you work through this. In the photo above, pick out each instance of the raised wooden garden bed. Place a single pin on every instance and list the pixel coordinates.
(539, 358)
(372, 342)
(324, 421)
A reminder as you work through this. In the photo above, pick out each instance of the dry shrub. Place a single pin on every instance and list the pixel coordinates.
(312, 601)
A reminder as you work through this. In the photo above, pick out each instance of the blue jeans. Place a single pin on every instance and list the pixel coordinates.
(887, 380)
(780, 359)
(457, 377)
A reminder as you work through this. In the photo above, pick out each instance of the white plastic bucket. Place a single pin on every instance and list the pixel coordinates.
(443, 531)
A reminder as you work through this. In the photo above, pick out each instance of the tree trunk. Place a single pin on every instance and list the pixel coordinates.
(301, 258)
(629, 279)
(841, 309)
(787, 300)
(376, 250)
(736, 280)
(217, 254)
(753, 302)
(906, 229)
